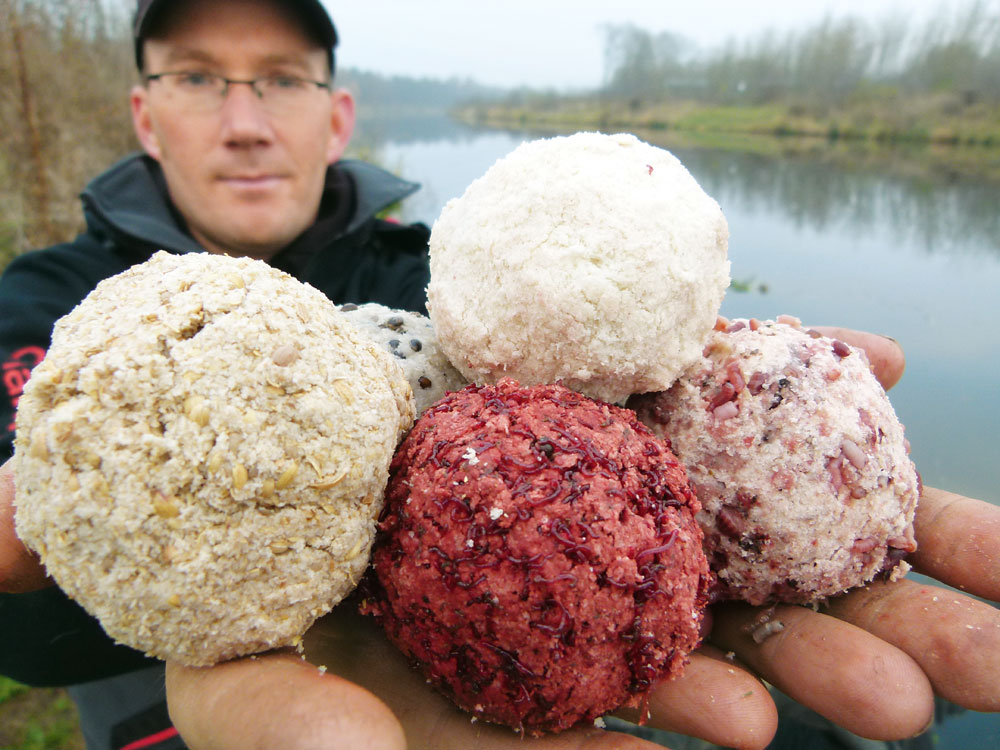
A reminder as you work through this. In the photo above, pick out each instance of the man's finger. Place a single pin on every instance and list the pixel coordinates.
(276, 700)
(958, 542)
(954, 638)
(351, 645)
(280, 700)
(20, 568)
(715, 699)
(884, 354)
(856, 680)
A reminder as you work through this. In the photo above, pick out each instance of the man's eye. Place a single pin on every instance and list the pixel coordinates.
(196, 80)
(285, 82)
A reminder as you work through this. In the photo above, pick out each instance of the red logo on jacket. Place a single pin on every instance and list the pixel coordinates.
(16, 371)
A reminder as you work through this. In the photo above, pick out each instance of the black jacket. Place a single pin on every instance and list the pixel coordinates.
(349, 254)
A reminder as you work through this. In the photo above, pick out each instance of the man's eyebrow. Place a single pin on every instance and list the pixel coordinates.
(178, 55)
(278, 60)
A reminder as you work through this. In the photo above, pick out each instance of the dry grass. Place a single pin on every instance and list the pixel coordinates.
(65, 72)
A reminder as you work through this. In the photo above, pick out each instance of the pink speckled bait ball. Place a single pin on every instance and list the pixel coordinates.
(798, 459)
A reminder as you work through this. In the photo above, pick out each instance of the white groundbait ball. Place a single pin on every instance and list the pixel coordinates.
(592, 260)
(798, 459)
(410, 338)
(201, 456)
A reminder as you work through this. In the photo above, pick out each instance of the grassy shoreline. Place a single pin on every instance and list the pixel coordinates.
(942, 135)
(941, 119)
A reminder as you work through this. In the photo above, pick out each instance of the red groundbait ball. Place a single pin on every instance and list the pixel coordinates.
(538, 556)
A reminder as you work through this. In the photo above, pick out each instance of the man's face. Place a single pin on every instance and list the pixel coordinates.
(246, 181)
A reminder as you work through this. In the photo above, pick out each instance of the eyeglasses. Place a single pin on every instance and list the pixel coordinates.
(205, 92)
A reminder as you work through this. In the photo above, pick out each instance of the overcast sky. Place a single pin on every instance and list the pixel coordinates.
(559, 43)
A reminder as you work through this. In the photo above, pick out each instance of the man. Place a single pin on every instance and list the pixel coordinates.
(238, 165)
(242, 134)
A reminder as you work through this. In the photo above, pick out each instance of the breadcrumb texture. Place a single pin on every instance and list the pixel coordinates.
(409, 337)
(202, 455)
(592, 260)
(798, 459)
(538, 558)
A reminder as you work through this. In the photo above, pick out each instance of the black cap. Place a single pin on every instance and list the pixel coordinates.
(316, 21)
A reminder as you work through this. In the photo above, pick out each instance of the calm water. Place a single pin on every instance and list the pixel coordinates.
(915, 259)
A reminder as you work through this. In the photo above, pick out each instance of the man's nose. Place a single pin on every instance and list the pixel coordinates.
(244, 118)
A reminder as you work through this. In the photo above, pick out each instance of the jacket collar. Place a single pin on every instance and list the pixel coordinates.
(130, 202)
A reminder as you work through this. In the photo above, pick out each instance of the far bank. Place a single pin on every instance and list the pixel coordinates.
(938, 135)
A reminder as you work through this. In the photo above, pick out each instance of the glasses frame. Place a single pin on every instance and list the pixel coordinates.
(251, 82)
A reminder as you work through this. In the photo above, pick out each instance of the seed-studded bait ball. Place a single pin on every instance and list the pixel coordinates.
(592, 260)
(410, 338)
(202, 454)
(798, 459)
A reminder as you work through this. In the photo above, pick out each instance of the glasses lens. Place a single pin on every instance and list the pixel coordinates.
(199, 92)
(282, 94)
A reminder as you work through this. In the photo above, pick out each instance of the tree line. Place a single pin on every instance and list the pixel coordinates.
(956, 51)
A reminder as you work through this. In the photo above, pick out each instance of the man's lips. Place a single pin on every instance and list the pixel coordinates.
(251, 181)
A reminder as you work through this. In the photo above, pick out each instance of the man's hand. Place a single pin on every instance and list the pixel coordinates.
(292, 704)
(276, 700)
(870, 662)
(20, 569)
(872, 658)
(953, 637)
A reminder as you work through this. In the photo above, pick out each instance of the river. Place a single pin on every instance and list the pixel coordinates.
(912, 256)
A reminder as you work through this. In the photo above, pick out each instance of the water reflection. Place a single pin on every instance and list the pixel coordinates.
(947, 214)
(377, 128)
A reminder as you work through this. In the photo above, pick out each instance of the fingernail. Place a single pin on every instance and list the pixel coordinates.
(927, 728)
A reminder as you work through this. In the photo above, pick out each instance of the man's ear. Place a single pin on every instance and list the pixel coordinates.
(341, 123)
(142, 122)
